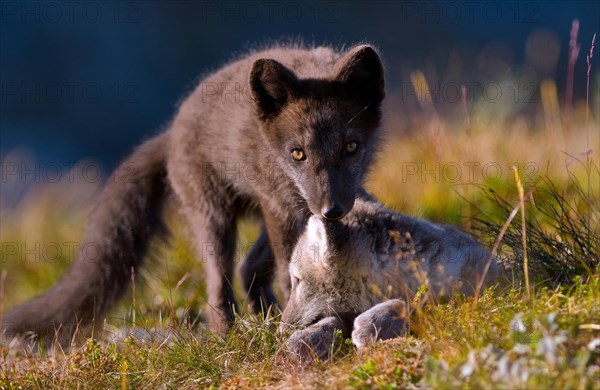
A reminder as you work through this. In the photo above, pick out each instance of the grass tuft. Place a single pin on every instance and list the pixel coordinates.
(562, 240)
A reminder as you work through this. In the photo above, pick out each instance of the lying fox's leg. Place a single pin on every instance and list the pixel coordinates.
(315, 340)
(384, 321)
(256, 271)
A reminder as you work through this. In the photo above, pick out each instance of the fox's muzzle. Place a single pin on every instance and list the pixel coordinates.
(336, 196)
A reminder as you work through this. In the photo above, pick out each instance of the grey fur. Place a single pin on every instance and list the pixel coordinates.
(384, 321)
(315, 340)
(347, 268)
(228, 152)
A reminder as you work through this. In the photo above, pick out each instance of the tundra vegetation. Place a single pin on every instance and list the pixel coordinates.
(522, 176)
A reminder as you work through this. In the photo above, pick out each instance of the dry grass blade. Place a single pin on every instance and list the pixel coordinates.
(494, 251)
(523, 230)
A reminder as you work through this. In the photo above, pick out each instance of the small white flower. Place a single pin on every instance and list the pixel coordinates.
(548, 346)
(594, 344)
(521, 349)
(517, 325)
(469, 367)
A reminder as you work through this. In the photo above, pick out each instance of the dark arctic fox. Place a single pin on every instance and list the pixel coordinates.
(287, 131)
(358, 273)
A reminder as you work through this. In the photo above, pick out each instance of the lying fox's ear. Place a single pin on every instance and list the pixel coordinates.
(362, 71)
(272, 85)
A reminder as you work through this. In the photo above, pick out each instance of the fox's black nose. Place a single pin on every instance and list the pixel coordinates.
(333, 212)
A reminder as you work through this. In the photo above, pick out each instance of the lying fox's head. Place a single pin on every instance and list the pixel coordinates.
(342, 268)
(336, 268)
(322, 131)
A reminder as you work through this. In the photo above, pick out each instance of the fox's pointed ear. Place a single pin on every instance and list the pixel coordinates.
(362, 71)
(272, 86)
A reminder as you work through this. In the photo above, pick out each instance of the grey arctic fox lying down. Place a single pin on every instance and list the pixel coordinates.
(356, 274)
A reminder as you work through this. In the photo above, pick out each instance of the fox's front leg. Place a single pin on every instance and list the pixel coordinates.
(211, 212)
(283, 232)
(383, 321)
(256, 271)
(215, 242)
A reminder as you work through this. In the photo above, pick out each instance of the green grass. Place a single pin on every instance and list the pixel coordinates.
(499, 342)
(502, 340)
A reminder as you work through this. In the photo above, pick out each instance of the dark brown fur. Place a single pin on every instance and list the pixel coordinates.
(228, 150)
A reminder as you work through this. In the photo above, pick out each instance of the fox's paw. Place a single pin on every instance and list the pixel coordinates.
(315, 341)
(381, 322)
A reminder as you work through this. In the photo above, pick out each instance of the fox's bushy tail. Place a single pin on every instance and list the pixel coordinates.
(128, 212)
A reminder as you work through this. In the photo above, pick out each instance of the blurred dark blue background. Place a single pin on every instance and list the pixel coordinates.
(93, 78)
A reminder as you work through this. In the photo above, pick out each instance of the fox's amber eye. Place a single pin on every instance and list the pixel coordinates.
(298, 155)
(351, 147)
